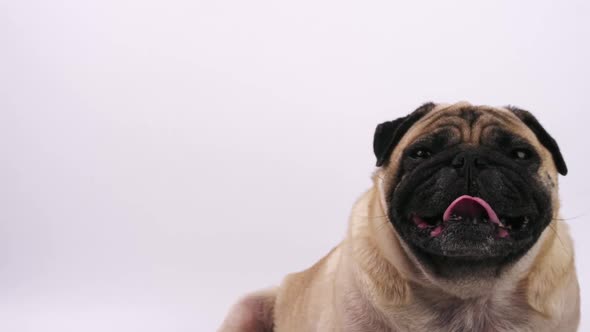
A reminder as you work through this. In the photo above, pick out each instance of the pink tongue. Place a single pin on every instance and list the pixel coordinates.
(471, 207)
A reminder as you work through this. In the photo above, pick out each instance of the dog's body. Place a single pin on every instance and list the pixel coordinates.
(415, 277)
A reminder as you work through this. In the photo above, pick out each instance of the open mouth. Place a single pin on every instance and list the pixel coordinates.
(471, 210)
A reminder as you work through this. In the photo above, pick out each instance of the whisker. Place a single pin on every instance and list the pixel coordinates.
(356, 215)
(381, 225)
(558, 237)
(571, 218)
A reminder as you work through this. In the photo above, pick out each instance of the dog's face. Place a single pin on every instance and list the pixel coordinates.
(468, 189)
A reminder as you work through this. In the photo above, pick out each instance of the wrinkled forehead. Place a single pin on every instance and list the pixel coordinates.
(471, 124)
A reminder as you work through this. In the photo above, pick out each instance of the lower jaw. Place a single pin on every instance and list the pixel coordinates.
(453, 267)
(462, 267)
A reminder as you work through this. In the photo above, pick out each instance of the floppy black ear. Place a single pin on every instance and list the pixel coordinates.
(543, 137)
(389, 133)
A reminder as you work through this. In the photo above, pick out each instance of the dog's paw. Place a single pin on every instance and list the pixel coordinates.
(253, 313)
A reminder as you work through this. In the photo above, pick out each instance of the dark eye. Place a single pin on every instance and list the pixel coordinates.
(521, 154)
(421, 153)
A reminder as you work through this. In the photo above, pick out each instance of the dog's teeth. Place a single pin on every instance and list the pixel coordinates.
(436, 232)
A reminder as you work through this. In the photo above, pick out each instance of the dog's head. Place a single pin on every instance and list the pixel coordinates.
(469, 189)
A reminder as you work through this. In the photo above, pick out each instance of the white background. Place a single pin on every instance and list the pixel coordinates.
(160, 158)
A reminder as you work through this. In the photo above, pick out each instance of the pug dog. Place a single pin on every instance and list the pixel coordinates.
(460, 232)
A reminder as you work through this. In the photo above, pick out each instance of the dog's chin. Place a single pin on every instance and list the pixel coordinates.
(472, 265)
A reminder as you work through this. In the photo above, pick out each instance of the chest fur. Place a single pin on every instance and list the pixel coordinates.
(455, 315)
(475, 315)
